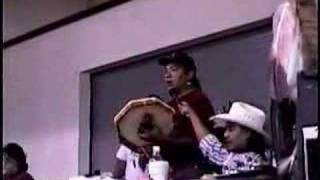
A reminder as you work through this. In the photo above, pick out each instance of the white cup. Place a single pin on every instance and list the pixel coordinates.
(158, 170)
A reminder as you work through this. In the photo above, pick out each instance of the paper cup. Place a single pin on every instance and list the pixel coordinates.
(158, 170)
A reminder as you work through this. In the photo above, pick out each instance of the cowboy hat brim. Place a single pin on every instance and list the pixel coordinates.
(237, 120)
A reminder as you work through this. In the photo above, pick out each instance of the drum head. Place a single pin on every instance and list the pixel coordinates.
(144, 113)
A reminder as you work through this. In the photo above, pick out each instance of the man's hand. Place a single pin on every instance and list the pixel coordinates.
(185, 109)
(152, 135)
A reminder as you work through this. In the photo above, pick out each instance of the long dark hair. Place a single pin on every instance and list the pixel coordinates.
(196, 83)
(257, 143)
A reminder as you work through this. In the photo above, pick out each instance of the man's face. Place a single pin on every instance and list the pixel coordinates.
(175, 76)
(236, 137)
(9, 165)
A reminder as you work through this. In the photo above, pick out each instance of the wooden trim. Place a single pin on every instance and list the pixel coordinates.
(65, 21)
(261, 24)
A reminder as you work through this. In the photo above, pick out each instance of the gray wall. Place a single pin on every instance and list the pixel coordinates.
(20, 17)
(233, 68)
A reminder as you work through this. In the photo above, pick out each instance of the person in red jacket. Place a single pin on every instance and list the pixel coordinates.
(15, 166)
(181, 148)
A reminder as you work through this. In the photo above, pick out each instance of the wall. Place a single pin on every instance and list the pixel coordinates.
(41, 76)
(23, 16)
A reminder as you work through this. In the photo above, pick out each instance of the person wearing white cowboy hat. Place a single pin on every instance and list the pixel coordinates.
(245, 139)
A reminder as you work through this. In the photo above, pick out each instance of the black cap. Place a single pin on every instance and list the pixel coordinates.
(179, 58)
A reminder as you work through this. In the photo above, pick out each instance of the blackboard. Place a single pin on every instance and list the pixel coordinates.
(232, 67)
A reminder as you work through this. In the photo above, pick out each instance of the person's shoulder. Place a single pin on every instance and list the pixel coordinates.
(29, 177)
(123, 153)
(198, 97)
(194, 95)
(124, 148)
(26, 176)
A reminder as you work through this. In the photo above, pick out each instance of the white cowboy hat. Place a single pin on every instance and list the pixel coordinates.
(246, 115)
(133, 115)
